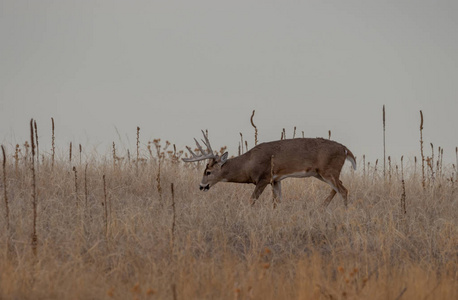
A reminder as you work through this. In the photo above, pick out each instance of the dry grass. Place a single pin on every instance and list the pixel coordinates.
(214, 245)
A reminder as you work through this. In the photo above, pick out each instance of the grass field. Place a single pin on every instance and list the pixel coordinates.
(131, 238)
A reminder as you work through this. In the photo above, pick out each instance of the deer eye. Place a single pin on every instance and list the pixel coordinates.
(208, 173)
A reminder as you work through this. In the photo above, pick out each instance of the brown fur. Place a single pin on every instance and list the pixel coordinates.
(302, 157)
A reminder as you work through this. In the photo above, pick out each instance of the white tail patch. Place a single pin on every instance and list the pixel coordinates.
(353, 162)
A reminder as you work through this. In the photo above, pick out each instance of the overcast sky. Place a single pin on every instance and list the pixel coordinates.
(174, 67)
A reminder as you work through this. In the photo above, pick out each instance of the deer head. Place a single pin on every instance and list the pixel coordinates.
(212, 173)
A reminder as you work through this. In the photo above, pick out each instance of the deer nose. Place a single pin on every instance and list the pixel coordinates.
(204, 187)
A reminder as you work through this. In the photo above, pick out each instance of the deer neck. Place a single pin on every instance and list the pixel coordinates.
(234, 170)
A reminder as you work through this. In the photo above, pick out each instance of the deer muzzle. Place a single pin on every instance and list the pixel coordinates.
(204, 187)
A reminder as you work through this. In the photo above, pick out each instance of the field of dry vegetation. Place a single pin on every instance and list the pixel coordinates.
(110, 227)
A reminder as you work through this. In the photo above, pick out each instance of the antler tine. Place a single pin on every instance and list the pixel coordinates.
(200, 148)
(194, 156)
(203, 154)
(190, 151)
(207, 142)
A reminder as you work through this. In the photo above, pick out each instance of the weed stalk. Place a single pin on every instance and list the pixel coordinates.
(403, 195)
(53, 147)
(34, 193)
(38, 148)
(255, 129)
(105, 205)
(421, 152)
(5, 196)
(138, 149)
(173, 218)
(384, 145)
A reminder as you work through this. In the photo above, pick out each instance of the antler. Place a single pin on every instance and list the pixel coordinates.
(204, 155)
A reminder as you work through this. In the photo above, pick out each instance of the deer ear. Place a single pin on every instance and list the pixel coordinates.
(223, 158)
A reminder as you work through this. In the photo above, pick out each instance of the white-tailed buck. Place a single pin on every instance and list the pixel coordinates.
(270, 163)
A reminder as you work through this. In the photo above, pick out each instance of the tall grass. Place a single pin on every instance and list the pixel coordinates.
(222, 248)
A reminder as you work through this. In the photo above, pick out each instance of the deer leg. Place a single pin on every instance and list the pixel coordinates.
(343, 192)
(329, 179)
(260, 186)
(329, 198)
(276, 185)
(338, 187)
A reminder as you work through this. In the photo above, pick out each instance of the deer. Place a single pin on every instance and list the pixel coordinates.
(271, 162)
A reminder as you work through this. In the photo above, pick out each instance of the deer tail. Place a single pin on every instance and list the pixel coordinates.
(350, 157)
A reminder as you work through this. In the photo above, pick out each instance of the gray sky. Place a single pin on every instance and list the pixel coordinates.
(174, 68)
